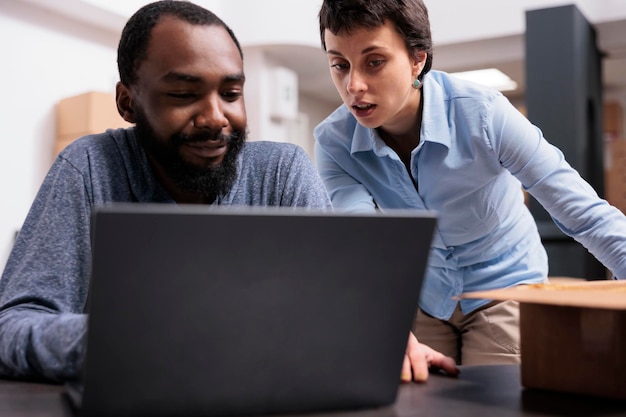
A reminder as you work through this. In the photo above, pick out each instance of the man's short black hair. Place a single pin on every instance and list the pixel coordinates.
(133, 46)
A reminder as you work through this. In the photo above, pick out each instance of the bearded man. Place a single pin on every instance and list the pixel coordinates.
(181, 84)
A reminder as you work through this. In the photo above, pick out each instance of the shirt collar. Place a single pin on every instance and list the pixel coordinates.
(435, 114)
(366, 139)
(363, 139)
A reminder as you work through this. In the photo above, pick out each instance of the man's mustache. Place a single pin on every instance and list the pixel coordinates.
(182, 139)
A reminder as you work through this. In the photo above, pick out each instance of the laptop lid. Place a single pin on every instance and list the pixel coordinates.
(210, 311)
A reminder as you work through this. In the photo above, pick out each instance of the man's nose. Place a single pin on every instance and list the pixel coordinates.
(210, 115)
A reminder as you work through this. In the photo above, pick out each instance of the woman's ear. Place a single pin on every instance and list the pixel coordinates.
(419, 61)
(125, 103)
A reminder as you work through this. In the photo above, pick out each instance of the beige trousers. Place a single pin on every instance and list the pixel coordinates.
(488, 335)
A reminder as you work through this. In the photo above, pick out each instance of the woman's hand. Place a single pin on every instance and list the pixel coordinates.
(419, 358)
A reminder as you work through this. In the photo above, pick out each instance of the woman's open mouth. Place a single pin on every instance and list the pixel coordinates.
(363, 110)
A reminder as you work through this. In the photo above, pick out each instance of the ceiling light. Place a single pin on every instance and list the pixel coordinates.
(490, 77)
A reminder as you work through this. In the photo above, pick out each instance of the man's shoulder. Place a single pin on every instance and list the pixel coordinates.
(268, 150)
(272, 158)
(102, 144)
(257, 145)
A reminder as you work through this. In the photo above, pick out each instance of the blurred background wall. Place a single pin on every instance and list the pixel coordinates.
(55, 50)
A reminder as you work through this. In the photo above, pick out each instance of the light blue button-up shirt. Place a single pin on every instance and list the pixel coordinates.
(476, 152)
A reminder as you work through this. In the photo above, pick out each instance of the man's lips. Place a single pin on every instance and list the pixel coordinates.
(208, 149)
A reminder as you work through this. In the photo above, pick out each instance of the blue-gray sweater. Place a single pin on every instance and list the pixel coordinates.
(45, 281)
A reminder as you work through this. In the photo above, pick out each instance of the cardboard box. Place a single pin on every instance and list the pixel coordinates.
(615, 174)
(573, 335)
(613, 120)
(84, 114)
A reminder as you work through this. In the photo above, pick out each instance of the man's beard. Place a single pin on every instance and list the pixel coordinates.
(208, 181)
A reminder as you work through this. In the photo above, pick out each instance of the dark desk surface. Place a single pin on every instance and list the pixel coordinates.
(479, 391)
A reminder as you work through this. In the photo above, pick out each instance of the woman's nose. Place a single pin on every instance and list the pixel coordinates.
(356, 83)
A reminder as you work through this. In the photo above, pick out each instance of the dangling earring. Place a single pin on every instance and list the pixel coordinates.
(416, 84)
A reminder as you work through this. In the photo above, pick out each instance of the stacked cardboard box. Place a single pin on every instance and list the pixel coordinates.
(573, 335)
(613, 123)
(615, 156)
(84, 114)
(615, 174)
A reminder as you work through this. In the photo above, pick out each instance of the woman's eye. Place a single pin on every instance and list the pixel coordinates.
(376, 62)
(339, 66)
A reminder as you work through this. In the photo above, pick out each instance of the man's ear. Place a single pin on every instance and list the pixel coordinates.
(125, 103)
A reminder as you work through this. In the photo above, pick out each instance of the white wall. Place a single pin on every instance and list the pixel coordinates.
(473, 20)
(48, 56)
(259, 95)
(44, 59)
(267, 22)
(259, 22)
(316, 111)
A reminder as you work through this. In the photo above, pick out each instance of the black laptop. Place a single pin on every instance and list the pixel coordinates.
(213, 311)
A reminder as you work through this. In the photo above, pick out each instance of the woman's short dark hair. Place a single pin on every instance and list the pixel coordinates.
(410, 17)
(133, 46)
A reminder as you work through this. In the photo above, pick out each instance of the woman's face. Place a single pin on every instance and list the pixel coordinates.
(373, 73)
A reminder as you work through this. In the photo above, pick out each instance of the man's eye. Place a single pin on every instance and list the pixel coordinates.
(182, 96)
(232, 95)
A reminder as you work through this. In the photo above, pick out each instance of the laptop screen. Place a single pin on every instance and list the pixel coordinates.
(215, 311)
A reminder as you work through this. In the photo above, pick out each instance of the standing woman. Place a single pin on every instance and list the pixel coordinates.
(407, 137)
